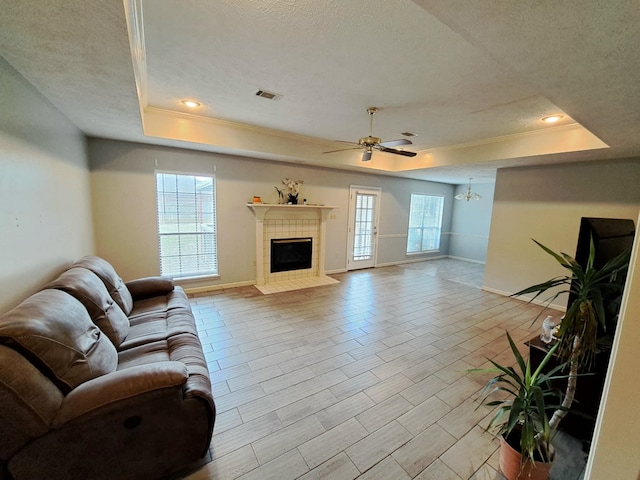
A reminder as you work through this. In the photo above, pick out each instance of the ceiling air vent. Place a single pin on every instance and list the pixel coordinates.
(268, 95)
(409, 134)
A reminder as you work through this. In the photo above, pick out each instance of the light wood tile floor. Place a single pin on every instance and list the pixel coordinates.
(365, 378)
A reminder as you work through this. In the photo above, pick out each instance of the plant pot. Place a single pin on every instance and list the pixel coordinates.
(512, 467)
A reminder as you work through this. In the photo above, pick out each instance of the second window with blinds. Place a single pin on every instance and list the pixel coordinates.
(425, 223)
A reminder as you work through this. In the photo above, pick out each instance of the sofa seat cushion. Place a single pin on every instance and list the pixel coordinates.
(87, 287)
(116, 287)
(54, 331)
(159, 318)
(184, 348)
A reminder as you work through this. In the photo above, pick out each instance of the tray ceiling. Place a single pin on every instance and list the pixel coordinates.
(471, 79)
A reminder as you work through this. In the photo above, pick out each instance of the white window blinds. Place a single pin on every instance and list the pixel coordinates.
(425, 223)
(187, 224)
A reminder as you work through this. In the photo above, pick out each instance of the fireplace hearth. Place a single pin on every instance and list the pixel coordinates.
(291, 254)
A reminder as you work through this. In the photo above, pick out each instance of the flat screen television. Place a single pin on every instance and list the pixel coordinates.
(611, 236)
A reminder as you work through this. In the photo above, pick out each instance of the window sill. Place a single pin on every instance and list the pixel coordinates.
(196, 278)
(423, 252)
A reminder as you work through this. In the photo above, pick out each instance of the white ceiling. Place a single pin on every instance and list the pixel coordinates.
(471, 79)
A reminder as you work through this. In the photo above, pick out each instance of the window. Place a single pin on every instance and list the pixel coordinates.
(186, 224)
(425, 223)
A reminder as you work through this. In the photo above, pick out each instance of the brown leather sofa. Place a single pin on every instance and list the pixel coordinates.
(102, 380)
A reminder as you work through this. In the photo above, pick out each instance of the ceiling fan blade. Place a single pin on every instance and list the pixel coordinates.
(396, 143)
(342, 150)
(404, 153)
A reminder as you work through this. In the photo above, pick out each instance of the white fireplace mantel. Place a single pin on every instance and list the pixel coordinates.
(261, 209)
(266, 211)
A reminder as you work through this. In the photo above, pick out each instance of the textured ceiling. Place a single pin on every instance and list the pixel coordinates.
(425, 78)
(472, 79)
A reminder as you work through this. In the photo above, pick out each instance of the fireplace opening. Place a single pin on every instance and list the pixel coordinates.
(290, 254)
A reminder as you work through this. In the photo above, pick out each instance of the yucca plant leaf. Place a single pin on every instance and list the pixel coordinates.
(545, 360)
(592, 253)
(541, 287)
(575, 266)
(547, 377)
(495, 403)
(568, 319)
(516, 353)
(598, 306)
(560, 259)
(496, 421)
(486, 394)
(514, 413)
(507, 371)
(539, 400)
(614, 265)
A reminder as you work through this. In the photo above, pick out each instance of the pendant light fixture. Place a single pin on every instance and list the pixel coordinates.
(468, 195)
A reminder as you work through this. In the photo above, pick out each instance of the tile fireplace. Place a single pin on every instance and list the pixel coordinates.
(303, 225)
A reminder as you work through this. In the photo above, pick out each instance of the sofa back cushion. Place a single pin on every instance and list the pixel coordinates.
(116, 287)
(84, 285)
(29, 402)
(54, 331)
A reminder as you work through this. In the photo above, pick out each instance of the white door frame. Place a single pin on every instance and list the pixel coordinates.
(354, 190)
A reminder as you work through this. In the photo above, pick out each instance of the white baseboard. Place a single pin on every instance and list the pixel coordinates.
(553, 306)
(338, 270)
(211, 288)
(470, 260)
(413, 260)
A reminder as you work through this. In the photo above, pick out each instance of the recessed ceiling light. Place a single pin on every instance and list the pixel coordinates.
(552, 118)
(190, 103)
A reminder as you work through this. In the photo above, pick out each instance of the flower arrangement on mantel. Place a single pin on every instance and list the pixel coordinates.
(289, 193)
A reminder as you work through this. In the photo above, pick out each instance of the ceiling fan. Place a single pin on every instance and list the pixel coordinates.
(371, 143)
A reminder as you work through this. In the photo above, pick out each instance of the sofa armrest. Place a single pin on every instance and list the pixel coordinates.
(119, 386)
(149, 287)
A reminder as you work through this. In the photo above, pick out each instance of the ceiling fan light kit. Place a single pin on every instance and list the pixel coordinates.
(370, 143)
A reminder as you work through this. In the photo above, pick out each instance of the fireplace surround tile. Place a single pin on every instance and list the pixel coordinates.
(289, 221)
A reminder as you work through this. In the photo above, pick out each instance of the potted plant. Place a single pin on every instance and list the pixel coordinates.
(585, 316)
(521, 418)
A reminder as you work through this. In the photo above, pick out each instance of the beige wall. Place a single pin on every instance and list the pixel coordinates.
(45, 214)
(546, 204)
(123, 189)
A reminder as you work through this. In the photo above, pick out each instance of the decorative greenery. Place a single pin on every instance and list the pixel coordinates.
(589, 285)
(578, 333)
(522, 410)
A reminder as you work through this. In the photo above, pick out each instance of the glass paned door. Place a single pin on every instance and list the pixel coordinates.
(363, 228)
